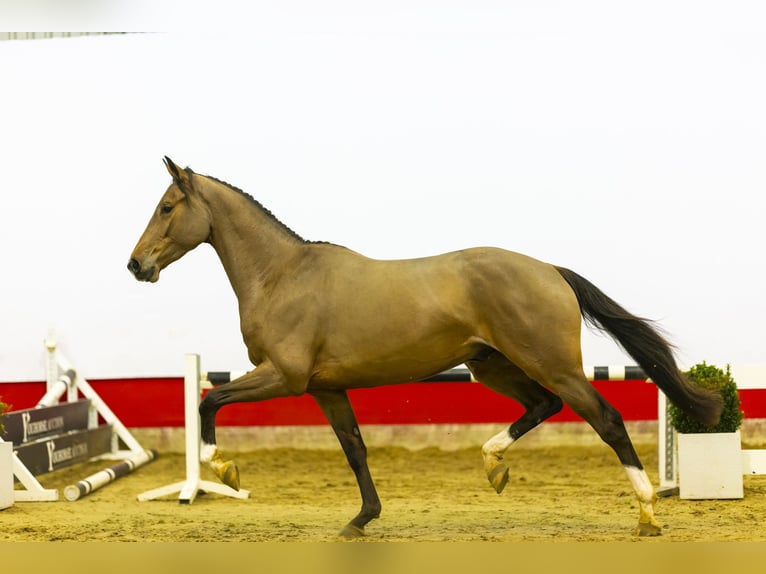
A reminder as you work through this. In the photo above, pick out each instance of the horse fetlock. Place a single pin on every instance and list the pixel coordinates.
(647, 523)
(646, 496)
(208, 452)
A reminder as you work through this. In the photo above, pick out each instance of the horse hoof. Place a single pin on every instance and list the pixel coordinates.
(228, 473)
(498, 477)
(350, 531)
(648, 529)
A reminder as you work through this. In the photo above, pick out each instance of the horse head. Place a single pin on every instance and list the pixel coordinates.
(180, 222)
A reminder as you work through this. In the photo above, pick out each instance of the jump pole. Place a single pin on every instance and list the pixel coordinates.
(189, 488)
(103, 477)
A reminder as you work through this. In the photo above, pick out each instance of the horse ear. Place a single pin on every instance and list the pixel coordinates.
(181, 177)
(172, 168)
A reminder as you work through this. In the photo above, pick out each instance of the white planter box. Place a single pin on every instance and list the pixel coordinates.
(6, 475)
(710, 465)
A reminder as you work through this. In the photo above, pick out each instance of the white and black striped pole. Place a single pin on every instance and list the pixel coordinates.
(55, 391)
(103, 477)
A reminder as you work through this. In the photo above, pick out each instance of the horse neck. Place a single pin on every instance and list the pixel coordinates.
(254, 248)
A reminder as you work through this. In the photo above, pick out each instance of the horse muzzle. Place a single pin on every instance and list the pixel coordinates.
(143, 274)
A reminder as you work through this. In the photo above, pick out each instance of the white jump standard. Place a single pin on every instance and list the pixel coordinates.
(55, 435)
(193, 484)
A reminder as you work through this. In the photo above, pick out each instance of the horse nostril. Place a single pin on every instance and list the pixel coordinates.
(134, 266)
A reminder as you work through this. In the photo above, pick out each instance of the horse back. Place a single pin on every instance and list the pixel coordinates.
(463, 284)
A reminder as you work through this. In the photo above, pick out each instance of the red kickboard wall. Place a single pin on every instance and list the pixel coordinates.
(159, 403)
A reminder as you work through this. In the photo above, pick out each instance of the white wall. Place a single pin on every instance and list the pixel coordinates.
(628, 144)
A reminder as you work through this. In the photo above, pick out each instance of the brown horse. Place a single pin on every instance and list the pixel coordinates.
(320, 319)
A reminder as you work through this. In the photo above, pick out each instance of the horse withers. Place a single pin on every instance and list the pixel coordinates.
(318, 318)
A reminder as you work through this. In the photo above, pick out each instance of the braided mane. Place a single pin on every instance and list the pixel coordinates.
(260, 206)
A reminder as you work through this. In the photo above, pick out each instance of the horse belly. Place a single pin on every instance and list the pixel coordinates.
(382, 356)
(378, 373)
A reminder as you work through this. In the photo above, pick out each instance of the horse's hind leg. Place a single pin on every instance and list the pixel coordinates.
(580, 395)
(502, 376)
(337, 408)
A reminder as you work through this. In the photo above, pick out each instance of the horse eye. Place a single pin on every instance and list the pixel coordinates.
(166, 208)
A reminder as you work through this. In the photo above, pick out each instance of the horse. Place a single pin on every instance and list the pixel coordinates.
(320, 319)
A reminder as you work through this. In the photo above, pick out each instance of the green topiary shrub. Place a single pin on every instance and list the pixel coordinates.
(711, 377)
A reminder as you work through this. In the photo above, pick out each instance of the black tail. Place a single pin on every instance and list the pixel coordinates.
(647, 346)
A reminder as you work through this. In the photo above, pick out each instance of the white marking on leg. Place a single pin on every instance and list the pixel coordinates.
(207, 452)
(496, 469)
(497, 445)
(644, 493)
(641, 484)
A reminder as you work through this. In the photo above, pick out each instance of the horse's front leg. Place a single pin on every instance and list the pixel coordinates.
(258, 385)
(337, 408)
